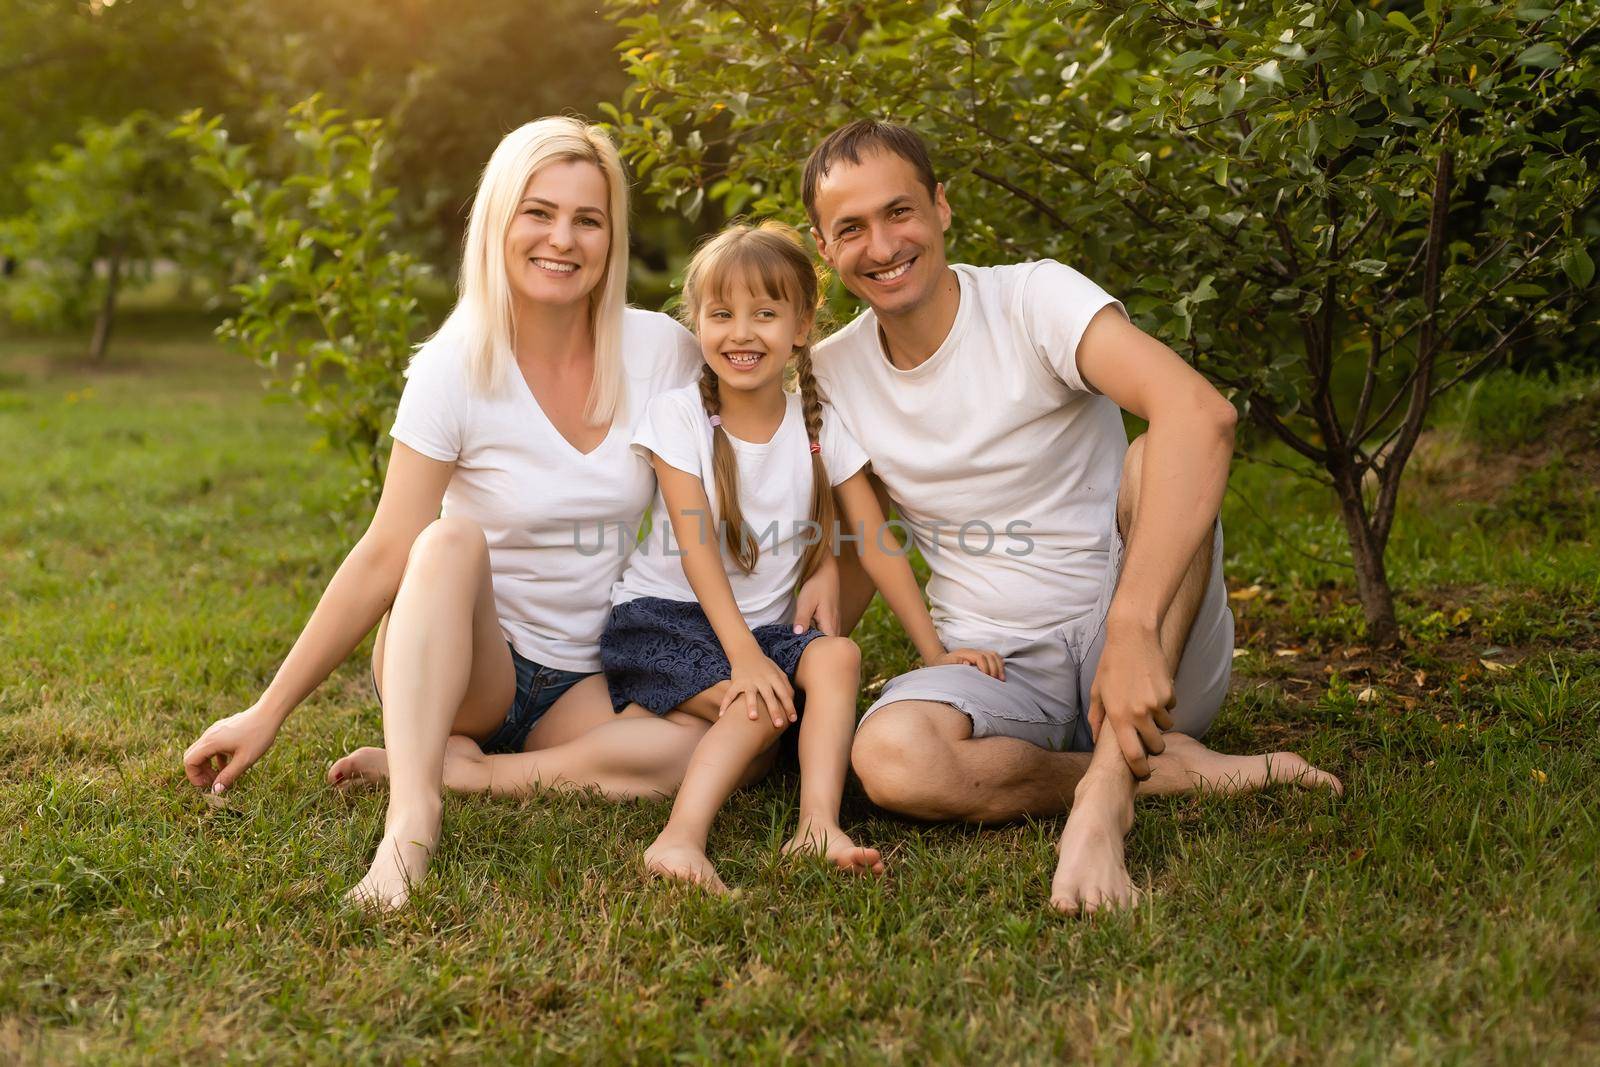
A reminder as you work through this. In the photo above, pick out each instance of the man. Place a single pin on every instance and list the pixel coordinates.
(987, 399)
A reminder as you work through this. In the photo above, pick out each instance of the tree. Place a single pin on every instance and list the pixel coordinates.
(112, 197)
(329, 302)
(1337, 211)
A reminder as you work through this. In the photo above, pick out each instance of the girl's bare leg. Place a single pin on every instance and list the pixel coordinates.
(720, 762)
(444, 667)
(829, 674)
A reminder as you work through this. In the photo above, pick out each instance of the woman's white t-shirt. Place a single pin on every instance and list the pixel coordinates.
(774, 496)
(560, 523)
(1001, 459)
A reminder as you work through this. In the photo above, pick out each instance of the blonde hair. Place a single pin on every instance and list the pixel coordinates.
(770, 260)
(482, 322)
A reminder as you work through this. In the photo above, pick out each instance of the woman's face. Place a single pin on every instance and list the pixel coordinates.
(557, 244)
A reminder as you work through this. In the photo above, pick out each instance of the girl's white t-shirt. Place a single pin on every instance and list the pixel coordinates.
(560, 523)
(774, 495)
(1002, 461)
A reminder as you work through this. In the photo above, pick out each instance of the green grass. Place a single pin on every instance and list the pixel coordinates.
(164, 532)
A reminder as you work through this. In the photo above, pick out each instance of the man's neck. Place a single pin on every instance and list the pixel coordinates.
(911, 339)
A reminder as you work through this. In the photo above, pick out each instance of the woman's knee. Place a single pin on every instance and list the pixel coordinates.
(450, 541)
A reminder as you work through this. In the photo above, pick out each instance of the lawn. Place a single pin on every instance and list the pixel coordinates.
(164, 531)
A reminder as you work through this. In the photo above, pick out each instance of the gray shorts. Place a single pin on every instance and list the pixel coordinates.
(1045, 697)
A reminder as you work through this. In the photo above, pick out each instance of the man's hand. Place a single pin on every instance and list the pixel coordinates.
(818, 601)
(1133, 690)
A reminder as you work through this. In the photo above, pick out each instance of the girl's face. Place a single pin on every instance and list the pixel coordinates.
(748, 338)
(557, 244)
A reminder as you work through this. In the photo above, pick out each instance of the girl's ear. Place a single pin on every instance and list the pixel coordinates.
(803, 330)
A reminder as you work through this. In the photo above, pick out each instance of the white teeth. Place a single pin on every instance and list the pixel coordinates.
(891, 275)
(744, 360)
(552, 265)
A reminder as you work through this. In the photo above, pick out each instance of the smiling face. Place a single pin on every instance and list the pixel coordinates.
(878, 228)
(558, 239)
(747, 337)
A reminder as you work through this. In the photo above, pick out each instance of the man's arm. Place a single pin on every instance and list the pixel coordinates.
(1185, 472)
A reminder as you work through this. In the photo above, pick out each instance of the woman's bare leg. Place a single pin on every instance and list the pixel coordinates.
(443, 667)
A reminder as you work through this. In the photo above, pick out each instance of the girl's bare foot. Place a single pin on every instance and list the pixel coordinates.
(466, 768)
(400, 862)
(1212, 772)
(828, 840)
(683, 862)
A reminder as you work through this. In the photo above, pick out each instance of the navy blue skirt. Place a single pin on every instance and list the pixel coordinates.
(659, 653)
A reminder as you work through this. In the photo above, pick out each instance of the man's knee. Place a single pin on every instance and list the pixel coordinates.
(903, 756)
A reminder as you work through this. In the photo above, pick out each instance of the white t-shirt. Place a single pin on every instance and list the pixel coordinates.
(560, 523)
(774, 496)
(998, 433)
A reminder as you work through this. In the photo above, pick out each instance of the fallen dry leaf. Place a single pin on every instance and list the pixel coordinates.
(1287, 651)
(1491, 665)
(1367, 695)
(1239, 652)
(1248, 593)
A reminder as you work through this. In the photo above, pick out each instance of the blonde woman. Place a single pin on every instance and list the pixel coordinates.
(516, 417)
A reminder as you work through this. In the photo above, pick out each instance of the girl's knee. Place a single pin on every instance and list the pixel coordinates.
(833, 654)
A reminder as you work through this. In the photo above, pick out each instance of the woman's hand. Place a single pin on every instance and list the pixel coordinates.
(763, 684)
(990, 663)
(228, 748)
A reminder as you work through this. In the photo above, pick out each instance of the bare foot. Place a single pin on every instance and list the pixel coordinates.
(828, 840)
(400, 862)
(466, 768)
(1092, 875)
(668, 859)
(1206, 771)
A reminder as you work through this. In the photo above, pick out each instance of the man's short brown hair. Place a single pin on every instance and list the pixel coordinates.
(849, 143)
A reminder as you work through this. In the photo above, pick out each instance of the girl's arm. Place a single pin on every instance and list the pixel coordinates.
(891, 573)
(694, 526)
(361, 590)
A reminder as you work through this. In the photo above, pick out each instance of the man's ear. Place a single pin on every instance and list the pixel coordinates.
(822, 246)
(941, 206)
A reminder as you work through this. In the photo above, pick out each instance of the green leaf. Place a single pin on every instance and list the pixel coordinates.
(1370, 266)
(1544, 54)
(1269, 73)
(1578, 266)
(1232, 93)
(1396, 18)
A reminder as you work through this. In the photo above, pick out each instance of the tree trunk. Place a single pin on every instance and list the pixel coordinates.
(1372, 580)
(108, 309)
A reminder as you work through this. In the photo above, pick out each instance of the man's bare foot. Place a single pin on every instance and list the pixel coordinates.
(466, 768)
(1092, 874)
(683, 862)
(1206, 771)
(828, 840)
(399, 864)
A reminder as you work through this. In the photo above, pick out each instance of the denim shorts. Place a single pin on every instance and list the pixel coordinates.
(538, 687)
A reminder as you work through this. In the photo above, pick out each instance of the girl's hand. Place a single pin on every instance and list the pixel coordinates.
(763, 685)
(228, 748)
(989, 663)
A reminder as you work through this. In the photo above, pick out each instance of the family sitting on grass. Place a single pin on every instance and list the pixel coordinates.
(1079, 640)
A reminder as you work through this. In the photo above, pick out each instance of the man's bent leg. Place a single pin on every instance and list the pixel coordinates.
(919, 758)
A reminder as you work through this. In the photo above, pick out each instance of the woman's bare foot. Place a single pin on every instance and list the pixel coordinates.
(466, 768)
(400, 863)
(1092, 875)
(1205, 771)
(683, 862)
(828, 840)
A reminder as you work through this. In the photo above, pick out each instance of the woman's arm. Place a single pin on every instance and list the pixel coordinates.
(891, 573)
(361, 590)
(694, 527)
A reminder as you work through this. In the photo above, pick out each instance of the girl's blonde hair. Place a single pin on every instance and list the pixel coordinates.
(482, 322)
(770, 260)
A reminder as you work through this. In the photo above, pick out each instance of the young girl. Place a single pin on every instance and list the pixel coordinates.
(746, 475)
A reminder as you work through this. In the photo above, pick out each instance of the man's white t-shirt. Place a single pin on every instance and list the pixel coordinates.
(774, 497)
(560, 523)
(996, 433)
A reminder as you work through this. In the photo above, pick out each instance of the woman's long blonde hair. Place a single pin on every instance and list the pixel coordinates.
(770, 260)
(482, 322)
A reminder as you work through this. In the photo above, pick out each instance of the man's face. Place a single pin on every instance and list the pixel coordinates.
(882, 232)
